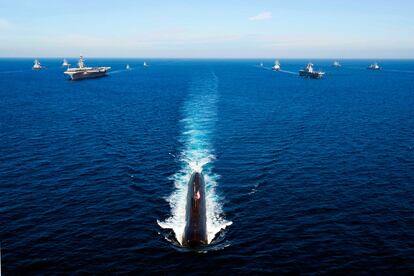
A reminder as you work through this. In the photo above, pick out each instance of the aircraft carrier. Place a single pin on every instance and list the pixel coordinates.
(83, 72)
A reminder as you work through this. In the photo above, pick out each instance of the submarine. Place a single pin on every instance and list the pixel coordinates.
(195, 231)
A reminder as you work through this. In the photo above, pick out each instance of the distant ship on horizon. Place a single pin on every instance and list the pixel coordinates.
(276, 67)
(374, 66)
(65, 63)
(37, 65)
(336, 64)
(83, 72)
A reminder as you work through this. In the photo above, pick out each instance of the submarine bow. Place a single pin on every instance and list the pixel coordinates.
(195, 232)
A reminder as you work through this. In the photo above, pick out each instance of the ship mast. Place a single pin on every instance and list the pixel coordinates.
(81, 63)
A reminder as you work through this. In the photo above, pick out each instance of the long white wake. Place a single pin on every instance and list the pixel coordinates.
(282, 71)
(200, 116)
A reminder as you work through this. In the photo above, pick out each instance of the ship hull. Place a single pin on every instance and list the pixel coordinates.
(87, 75)
(314, 75)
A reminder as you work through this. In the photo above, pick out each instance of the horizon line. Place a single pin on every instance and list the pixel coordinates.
(235, 58)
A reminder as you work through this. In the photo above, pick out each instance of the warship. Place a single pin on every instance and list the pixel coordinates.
(37, 65)
(310, 73)
(336, 64)
(276, 67)
(65, 63)
(374, 66)
(83, 72)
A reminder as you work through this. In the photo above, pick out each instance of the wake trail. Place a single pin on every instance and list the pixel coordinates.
(382, 70)
(289, 72)
(16, 71)
(356, 68)
(197, 155)
(397, 71)
(263, 67)
(282, 71)
(118, 71)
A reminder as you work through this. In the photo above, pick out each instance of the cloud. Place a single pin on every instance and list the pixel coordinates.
(261, 16)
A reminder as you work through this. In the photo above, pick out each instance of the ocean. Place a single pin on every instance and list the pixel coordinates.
(302, 175)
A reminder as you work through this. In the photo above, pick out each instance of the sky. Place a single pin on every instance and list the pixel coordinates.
(207, 28)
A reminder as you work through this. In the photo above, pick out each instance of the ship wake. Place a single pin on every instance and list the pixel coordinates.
(289, 72)
(281, 71)
(197, 155)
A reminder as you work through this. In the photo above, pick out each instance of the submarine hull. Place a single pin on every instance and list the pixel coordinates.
(195, 232)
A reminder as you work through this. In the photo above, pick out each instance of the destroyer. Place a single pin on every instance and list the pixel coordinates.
(336, 64)
(83, 72)
(276, 67)
(374, 66)
(310, 73)
(65, 63)
(37, 65)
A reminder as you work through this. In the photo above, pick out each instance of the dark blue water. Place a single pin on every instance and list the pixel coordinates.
(312, 175)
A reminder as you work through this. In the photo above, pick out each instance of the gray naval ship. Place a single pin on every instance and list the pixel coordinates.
(310, 73)
(83, 72)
